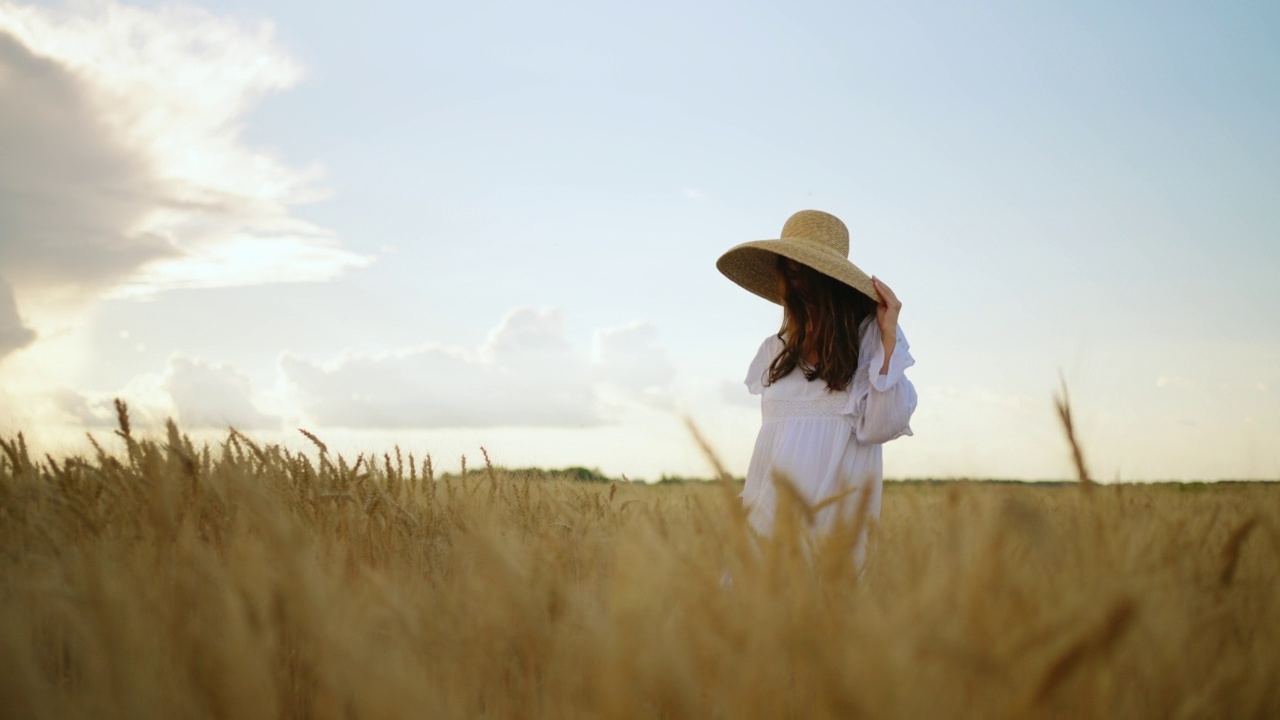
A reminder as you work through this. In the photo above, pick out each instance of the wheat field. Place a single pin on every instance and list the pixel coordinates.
(158, 579)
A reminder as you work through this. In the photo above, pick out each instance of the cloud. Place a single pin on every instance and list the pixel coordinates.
(630, 359)
(526, 374)
(13, 334)
(213, 396)
(88, 411)
(194, 393)
(69, 193)
(526, 336)
(124, 167)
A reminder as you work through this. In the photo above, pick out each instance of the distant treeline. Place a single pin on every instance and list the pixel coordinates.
(594, 475)
(583, 474)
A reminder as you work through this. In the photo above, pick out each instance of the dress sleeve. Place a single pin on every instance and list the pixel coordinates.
(760, 365)
(880, 406)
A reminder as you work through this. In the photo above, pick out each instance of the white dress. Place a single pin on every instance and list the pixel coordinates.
(825, 442)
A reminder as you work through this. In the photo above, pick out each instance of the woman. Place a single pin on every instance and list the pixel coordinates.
(831, 380)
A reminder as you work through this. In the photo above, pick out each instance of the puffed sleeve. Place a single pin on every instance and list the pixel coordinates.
(769, 349)
(880, 406)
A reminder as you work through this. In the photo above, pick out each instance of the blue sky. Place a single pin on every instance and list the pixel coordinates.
(484, 223)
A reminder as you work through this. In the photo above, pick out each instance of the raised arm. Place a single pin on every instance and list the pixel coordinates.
(883, 399)
(887, 320)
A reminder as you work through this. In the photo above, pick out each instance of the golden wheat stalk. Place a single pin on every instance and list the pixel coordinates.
(1095, 642)
(1231, 550)
(324, 449)
(707, 451)
(1063, 404)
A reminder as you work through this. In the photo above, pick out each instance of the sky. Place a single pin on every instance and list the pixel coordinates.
(448, 226)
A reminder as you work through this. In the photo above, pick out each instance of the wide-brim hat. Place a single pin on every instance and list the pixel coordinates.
(810, 237)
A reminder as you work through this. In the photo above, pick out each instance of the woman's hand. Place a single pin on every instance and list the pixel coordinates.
(887, 319)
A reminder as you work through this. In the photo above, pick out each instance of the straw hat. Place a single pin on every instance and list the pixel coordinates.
(810, 237)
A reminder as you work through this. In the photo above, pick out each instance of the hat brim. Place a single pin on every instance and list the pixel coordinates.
(754, 266)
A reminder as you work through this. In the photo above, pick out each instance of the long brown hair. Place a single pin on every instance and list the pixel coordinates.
(822, 314)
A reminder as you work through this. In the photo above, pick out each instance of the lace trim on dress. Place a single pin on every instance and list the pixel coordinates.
(777, 409)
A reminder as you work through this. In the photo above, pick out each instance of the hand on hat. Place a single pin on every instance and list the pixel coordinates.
(887, 319)
(887, 311)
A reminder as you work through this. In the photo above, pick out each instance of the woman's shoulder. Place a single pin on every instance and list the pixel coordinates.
(770, 346)
(769, 350)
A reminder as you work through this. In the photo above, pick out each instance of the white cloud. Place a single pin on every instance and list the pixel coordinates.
(213, 396)
(124, 167)
(630, 359)
(528, 335)
(194, 393)
(526, 374)
(91, 412)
